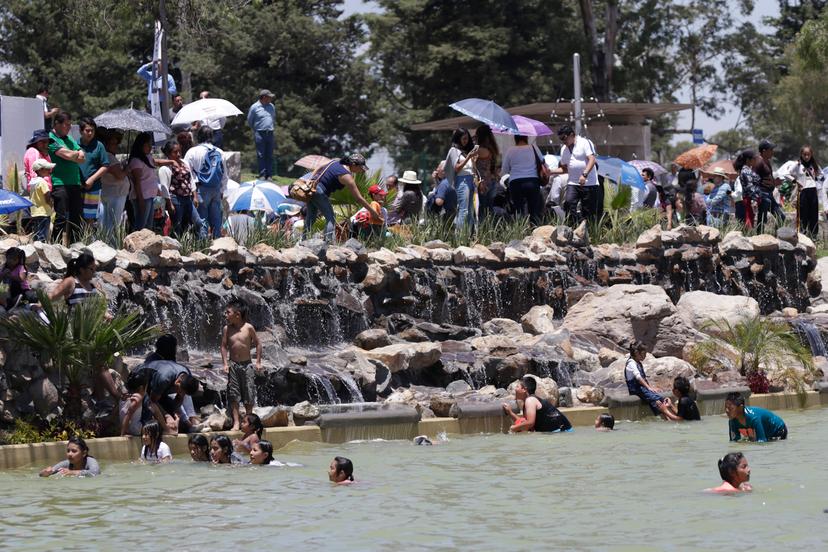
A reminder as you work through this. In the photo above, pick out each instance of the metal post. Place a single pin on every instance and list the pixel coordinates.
(164, 93)
(576, 86)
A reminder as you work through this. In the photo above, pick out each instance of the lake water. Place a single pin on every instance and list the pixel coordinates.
(637, 488)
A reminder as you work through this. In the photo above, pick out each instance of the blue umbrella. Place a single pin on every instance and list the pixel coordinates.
(620, 171)
(257, 196)
(11, 202)
(486, 111)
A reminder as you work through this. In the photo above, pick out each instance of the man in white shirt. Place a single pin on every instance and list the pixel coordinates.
(48, 114)
(209, 192)
(578, 163)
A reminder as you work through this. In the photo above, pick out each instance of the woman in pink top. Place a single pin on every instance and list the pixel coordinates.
(142, 169)
(37, 148)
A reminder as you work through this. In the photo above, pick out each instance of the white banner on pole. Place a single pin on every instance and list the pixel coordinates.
(157, 78)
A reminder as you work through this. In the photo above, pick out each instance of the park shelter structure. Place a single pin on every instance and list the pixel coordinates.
(617, 129)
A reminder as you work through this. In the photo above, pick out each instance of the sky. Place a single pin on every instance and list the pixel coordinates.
(762, 8)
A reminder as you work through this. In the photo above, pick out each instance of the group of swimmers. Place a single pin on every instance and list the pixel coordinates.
(218, 449)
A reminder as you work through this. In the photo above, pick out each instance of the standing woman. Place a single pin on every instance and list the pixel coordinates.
(522, 163)
(486, 165)
(92, 169)
(180, 182)
(749, 182)
(114, 189)
(460, 162)
(145, 182)
(809, 181)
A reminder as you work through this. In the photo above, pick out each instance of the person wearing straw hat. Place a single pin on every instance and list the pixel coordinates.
(41, 196)
(718, 200)
(36, 148)
(411, 202)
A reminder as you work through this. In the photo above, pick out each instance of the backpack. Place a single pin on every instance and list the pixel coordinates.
(212, 169)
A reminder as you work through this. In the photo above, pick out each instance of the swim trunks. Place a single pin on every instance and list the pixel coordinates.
(241, 385)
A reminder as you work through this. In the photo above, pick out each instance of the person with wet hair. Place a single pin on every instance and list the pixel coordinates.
(605, 422)
(261, 454)
(221, 451)
(341, 471)
(686, 408)
(78, 461)
(199, 447)
(752, 423)
(735, 473)
(538, 414)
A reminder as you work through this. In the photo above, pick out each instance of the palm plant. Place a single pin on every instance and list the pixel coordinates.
(77, 342)
(761, 342)
(345, 205)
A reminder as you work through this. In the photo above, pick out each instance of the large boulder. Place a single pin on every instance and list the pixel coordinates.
(226, 250)
(103, 253)
(144, 241)
(407, 356)
(44, 396)
(372, 339)
(538, 320)
(502, 326)
(621, 313)
(702, 307)
(546, 388)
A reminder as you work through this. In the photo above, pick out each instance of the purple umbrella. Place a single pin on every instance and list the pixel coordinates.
(652, 165)
(527, 127)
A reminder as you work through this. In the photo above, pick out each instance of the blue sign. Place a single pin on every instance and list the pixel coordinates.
(698, 136)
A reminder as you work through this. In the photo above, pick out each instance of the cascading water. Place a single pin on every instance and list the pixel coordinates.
(322, 390)
(813, 336)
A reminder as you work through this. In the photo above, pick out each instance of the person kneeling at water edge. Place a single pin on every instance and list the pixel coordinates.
(78, 462)
(735, 473)
(638, 385)
(751, 422)
(538, 414)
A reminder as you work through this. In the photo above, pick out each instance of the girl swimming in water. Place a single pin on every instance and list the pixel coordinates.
(78, 462)
(735, 473)
(252, 428)
(341, 471)
(199, 447)
(261, 454)
(155, 450)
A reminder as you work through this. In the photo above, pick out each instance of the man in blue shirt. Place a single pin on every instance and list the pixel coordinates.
(145, 72)
(751, 422)
(261, 117)
(443, 199)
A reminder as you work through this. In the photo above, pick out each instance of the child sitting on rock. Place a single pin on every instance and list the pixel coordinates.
(638, 385)
(735, 474)
(237, 338)
(251, 428)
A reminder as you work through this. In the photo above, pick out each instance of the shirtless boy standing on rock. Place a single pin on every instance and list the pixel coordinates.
(237, 338)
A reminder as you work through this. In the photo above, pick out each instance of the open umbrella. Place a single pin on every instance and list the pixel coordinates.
(620, 171)
(725, 164)
(527, 127)
(258, 195)
(131, 119)
(652, 165)
(10, 202)
(486, 111)
(312, 162)
(207, 108)
(697, 157)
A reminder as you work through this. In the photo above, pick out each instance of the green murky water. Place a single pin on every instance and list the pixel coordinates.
(637, 488)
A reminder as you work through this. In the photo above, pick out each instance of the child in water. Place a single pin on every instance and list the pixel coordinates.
(155, 450)
(341, 471)
(221, 451)
(199, 447)
(252, 430)
(604, 422)
(751, 422)
(78, 462)
(237, 338)
(735, 473)
(261, 454)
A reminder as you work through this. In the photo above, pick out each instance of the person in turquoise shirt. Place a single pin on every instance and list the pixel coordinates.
(751, 422)
(93, 168)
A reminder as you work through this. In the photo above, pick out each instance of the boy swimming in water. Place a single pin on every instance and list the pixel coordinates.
(751, 422)
(735, 473)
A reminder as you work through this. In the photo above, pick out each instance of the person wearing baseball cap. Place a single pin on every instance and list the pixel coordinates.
(363, 224)
(261, 117)
(336, 175)
(36, 148)
(41, 197)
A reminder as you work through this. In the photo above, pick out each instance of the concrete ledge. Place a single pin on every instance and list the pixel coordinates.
(126, 449)
(400, 415)
(463, 410)
(721, 394)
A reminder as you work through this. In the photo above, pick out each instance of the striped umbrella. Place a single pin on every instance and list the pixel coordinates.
(257, 195)
(652, 165)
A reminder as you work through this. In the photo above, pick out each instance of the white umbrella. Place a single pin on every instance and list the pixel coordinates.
(201, 110)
